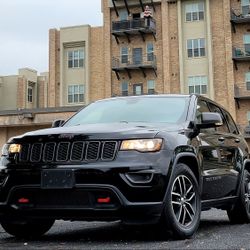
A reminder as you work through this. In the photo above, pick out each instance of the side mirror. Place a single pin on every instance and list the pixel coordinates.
(210, 120)
(57, 123)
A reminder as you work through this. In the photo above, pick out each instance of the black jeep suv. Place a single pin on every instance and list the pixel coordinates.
(144, 159)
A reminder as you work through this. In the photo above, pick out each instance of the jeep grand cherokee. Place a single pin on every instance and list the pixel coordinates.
(144, 159)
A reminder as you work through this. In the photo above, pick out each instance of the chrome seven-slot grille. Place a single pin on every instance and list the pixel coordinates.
(77, 151)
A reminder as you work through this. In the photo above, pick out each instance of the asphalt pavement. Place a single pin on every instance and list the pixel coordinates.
(215, 232)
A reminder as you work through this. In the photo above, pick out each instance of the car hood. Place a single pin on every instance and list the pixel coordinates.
(102, 131)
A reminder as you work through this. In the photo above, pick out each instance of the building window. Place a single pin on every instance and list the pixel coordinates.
(30, 94)
(75, 58)
(196, 47)
(247, 77)
(246, 40)
(197, 85)
(248, 117)
(194, 11)
(124, 54)
(150, 52)
(75, 93)
(151, 87)
(124, 88)
(245, 6)
(123, 14)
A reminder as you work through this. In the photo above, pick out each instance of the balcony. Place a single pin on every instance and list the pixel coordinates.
(128, 4)
(139, 26)
(246, 132)
(239, 16)
(241, 93)
(241, 54)
(127, 64)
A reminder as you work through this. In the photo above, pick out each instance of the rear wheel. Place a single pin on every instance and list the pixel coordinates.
(27, 229)
(240, 213)
(183, 205)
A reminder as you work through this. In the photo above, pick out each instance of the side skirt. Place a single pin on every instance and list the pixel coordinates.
(218, 203)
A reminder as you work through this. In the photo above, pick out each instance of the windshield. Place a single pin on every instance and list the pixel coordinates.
(133, 109)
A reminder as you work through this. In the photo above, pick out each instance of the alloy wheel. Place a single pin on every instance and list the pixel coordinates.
(183, 200)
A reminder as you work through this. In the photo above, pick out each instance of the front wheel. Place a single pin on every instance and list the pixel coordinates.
(27, 229)
(183, 204)
(240, 213)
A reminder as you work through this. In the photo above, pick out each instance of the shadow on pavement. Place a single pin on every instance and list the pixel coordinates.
(115, 232)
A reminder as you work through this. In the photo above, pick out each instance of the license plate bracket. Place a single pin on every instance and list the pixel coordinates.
(57, 179)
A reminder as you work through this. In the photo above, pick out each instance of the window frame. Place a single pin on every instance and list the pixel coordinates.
(150, 51)
(151, 91)
(124, 55)
(30, 95)
(77, 58)
(78, 96)
(196, 48)
(124, 92)
(199, 85)
(243, 5)
(198, 12)
(247, 80)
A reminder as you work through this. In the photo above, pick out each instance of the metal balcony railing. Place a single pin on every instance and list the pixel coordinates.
(134, 62)
(246, 132)
(134, 26)
(241, 91)
(242, 53)
(240, 15)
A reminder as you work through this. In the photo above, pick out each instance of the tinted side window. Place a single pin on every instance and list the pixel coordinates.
(231, 124)
(202, 107)
(224, 128)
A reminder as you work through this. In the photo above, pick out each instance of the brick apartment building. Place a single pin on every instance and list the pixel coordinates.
(182, 46)
(187, 46)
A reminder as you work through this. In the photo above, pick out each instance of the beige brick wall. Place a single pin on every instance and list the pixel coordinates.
(21, 92)
(54, 68)
(97, 66)
(173, 48)
(222, 54)
(107, 47)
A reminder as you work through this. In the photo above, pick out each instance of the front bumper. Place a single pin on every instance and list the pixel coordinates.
(133, 202)
(80, 203)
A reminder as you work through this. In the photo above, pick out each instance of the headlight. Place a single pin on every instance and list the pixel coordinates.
(14, 148)
(143, 145)
(5, 149)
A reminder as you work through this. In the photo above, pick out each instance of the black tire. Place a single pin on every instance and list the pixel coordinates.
(27, 229)
(183, 204)
(240, 212)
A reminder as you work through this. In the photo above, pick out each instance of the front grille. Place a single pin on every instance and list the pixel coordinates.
(79, 151)
(36, 152)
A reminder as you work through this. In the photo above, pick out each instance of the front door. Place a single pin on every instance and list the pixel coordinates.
(137, 56)
(218, 153)
(137, 89)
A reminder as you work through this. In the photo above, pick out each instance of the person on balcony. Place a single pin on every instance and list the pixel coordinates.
(147, 15)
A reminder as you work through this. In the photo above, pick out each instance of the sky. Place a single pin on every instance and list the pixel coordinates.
(24, 27)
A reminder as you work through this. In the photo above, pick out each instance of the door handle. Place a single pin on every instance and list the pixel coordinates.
(221, 139)
(237, 140)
